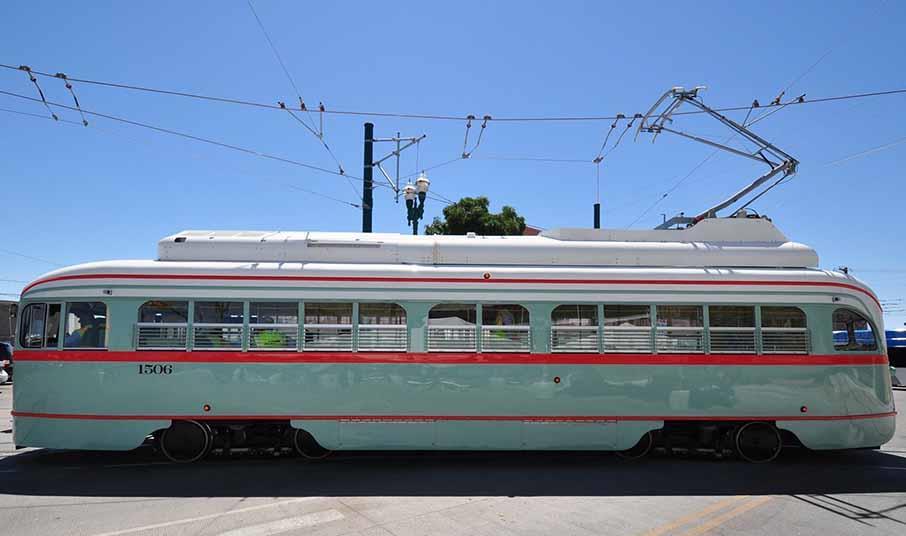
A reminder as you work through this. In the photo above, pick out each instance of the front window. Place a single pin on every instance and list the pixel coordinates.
(852, 332)
(86, 325)
(31, 334)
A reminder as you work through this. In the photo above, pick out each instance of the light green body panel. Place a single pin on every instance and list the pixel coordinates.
(822, 435)
(510, 395)
(83, 434)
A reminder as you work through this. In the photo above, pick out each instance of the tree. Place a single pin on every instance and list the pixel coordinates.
(471, 214)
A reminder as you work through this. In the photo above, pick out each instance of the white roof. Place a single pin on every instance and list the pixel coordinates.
(726, 242)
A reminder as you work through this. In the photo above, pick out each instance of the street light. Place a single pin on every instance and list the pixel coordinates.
(415, 208)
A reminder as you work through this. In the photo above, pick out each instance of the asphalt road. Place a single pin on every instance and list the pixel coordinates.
(46, 492)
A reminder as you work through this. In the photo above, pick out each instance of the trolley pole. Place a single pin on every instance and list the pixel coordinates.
(368, 179)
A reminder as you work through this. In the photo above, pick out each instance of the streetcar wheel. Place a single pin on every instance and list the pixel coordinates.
(307, 447)
(758, 442)
(186, 441)
(640, 449)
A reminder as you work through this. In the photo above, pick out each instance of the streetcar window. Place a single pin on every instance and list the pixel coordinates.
(218, 312)
(574, 328)
(218, 325)
(382, 314)
(273, 325)
(167, 312)
(31, 334)
(162, 325)
(52, 329)
(852, 332)
(627, 315)
(328, 326)
(505, 328)
(382, 327)
(679, 328)
(452, 326)
(627, 328)
(782, 317)
(784, 330)
(731, 329)
(86, 325)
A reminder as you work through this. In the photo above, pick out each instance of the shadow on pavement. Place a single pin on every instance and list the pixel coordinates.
(142, 473)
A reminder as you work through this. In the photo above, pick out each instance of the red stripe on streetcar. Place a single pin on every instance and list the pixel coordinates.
(429, 418)
(376, 279)
(445, 358)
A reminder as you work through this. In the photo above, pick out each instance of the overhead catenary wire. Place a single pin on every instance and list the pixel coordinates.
(451, 117)
(319, 133)
(74, 98)
(38, 116)
(296, 187)
(34, 80)
(245, 150)
(193, 137)
(280, 60)
(29, 257)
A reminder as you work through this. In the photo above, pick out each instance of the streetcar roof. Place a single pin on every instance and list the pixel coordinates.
(726, 242)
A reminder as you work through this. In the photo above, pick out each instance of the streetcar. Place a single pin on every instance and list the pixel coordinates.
(718, 336)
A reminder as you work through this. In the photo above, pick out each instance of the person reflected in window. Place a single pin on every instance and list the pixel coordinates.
(80, 336)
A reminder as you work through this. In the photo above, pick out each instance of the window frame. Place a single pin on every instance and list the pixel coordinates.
(596, 325)
(224, 327)
(761, 328)
(702, 330)
(475, 327)
(520, 331)
(64, 319)
(338, 327)
(358, 326)
(868, 320)
(633, 339)
(730, 339)
(249, 331)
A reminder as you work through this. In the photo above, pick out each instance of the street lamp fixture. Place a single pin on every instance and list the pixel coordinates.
(415, 200)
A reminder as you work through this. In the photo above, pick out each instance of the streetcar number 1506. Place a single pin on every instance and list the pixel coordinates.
(155, 369)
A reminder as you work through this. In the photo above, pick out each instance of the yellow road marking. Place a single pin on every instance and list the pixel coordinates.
(695, 516)
(719, 520)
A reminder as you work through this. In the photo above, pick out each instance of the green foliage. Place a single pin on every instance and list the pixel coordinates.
(471, 214)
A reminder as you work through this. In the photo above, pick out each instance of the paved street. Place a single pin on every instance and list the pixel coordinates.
(89, 493)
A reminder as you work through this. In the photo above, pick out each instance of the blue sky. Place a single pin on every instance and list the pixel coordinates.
(111, 191)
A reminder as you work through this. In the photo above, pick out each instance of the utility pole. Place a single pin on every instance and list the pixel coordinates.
(368, 179)
(368, 176)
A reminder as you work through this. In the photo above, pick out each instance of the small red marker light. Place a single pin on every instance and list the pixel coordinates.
(206, 407)
(803, 409)
(556, 379)
(487, 275)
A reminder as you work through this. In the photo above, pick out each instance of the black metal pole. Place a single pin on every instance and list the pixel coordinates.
(597, 215)
(368, 182)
